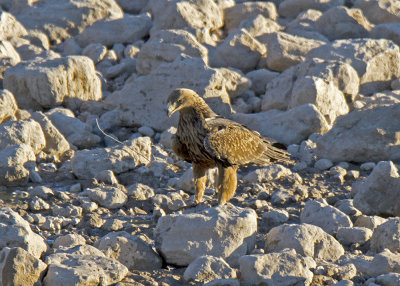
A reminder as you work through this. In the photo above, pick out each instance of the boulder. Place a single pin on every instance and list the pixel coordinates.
(378, 193)
(47, 83)
(88, 163)
(383, 263)
(166, 46)
(353, 235)
(291, 8)
(277, 268)
(10, 27)
(327, 217)
(387, 235)
(370, 222)
(379, 11)
(133, 7)
(289, 127)
(110, 197)
(286, 50)
(260, 78)
(19, 267)
(126, 30)
(8, 56)
(389, 31)
(377, 62)
(259, 25)
(342, 23)
(305, 25)
(268, 173)
(224, 231)
(16, 232)
(306, 239)
(8, 106)
(69, 240)
(208, 268)
(95, 51)
(363, 135)
(247, 10)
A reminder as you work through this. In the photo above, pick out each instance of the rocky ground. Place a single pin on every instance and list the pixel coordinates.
(78, 207)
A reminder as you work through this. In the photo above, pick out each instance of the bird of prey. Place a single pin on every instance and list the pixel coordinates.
(208, 140)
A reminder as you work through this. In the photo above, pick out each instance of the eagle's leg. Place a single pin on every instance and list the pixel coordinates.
(227, 183)
(200, 180)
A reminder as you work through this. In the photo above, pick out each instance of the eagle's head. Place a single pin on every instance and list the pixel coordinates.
(182, 98)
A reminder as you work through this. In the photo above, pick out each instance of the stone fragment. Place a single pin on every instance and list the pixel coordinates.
(95, 51)
(208, 268)
(390, 31)
(380, 11)
(271, 172)
(69, 240)
(387, 236)
(259, 26)
(353, 235)
(384, 263)
(370, 222)
(323, 164)
(305, 25)
(389, 279)
(225, 231)
(291, 8)
(110, 197)
(8, 56)
(277, 268)
(8, 106)
(260, 78)
(306, 239)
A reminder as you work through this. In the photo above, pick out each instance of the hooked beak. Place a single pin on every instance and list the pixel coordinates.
(171, 109)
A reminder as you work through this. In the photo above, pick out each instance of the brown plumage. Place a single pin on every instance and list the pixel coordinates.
(208, 140)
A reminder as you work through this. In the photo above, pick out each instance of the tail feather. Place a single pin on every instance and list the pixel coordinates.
(273, 153)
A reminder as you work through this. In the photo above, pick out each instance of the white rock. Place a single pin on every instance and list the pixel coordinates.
(107, 196)
(8, 106)
(278, 268)
(37, 204)
(306, 239)
(383, 263)
(15, 155)
(166, 137)
(186, 182)
(289, 127)
(389, 279)
(387, 235)
(259, 25)
(87, 163)
(260, 78)
(128, 29)
(390, 31)
(69, 240)
(133, 7)
(291, 8)
(377, 195)
(166, 46)
(247, 10)
(225, 231)
(67, 211)
(95, 51)
(146, 131)
(380, 11)
(16, 231)
(367, 166)
(362, 135)
(130, 250)
(223, 282)
(353, 235)
(207, 268)
(271, 172)
(377, 62)
(370, 222)
(305, 25)
(19, 267)
(286, 50)
(8, 55)
(140, 191)
(323, 164)
(273, 218)
(347, 206)
(51, 82)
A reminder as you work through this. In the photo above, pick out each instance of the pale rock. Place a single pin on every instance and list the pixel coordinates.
(305, 25)
(19, 267)
(133, 7)
(353, 235)
(389, 279)
(377, 62)
(67, 211)
(223, 282)
(63, 19)
(130, 250)
(106, 177)
(10, 27)
(8, 56)
(236, 83)
(277, 268)
(56, 144)
(360, 261)
(126, 30)
(260, 25)
(347, 271)
(271, 172)
(240, 50)
(367, 166)
(387, 235)
(380, 11)
(395, 84)
(166, 46)
(46, 83)
(19, 132)
(247, 10)
(16, 232)
(38, 204)
(140, 191)
(390, 31)
(368, 134)
(15, 155)
(148, 106)
(306, 239)
(83, 269)
(342, 23)
(370, 222)
(71, 47)
(75, 131)
(291, 8)
(38, 39)
(110, 197)
(225, 231)
(131, 51)
(289, 127)
(69, 240)
(347, 206)
(166, 137)
(186, 182)
(95, 51)
(16, 175)
(323, 164)
(286, 50)
(329, 218)
(383, 263)
(207, 268)
(260, 78)
(8, 106)
(42, 192)
(273, 218)
(121, 158)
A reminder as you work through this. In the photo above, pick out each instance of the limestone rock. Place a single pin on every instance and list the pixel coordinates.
(306, 239)
(207, 268)
(380, 11)
(88, 163)
(329, 218)
(390, 31)
(10, 27)
(291, 8)
(19, 267)
(268, 173)
(289, 127)
(133, 7)
(363, 135)
(225, 231)
(389, 279)
(107, 196)
(259, 25)
(286, 50)
(46, 83)
(69, 240)
(387, 235)
(377, 62)
(341, 23)
(305, 25)
(370, 222)
(353, 235)
(95, 51)
(128, 29)
(260, 78)
(8, 56)
(8, 106)
(166, 46)
(16, 232)
(235, 14)
(130, 250)
(384, 263)
(277, 268)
